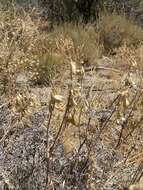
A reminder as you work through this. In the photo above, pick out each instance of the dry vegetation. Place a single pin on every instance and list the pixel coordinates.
(90, 81)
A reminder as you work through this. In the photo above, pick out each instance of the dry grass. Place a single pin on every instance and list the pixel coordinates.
(90, 114)
(116, 30)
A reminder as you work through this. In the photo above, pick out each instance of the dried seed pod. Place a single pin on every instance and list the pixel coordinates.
(73, 67)
(57, 98)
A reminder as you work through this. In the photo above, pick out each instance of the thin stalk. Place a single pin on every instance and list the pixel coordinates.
(47, 146)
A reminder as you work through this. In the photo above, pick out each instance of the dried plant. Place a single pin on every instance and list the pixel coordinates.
(92, 108)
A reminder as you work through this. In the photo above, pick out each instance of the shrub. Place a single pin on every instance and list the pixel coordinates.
(71, 10)
(115, 30)
(82, 42)
(47, 68)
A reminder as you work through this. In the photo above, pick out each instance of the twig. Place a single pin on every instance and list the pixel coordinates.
(126, 121)
(47, 145)
(138, 174)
